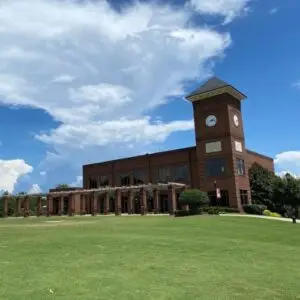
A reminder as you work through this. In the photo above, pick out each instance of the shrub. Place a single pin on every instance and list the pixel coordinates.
(185, 213)
(268, 213)
(213, 211)
(254, 209)
(221, 209)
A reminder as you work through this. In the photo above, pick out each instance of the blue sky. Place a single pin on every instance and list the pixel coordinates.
(77, 88)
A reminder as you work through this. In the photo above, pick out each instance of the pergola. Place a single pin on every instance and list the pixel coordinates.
(172, 188)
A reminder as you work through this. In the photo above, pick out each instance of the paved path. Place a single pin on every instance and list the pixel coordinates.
(260, 217)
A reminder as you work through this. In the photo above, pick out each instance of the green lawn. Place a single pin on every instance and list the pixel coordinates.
(149, 258)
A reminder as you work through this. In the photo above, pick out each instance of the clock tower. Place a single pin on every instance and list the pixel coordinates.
(220, 143)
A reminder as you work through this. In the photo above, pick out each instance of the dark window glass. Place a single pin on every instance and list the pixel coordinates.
(125, 180)
(244, 197)
(181, 173)
(104, 180)
(93, 183)
(164, 174)
(139, 177)
(223, 201)
(215, 167)
(240, 164)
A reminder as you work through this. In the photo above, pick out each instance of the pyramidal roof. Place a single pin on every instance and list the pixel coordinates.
(213, 83)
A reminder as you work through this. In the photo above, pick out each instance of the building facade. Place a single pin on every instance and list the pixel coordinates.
(217, 164)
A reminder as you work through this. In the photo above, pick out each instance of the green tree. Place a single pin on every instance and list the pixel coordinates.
(292, 192)
(261, 183)
(194, 198)
(62, 186)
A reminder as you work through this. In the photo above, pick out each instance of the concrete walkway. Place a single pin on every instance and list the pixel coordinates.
(260, 217)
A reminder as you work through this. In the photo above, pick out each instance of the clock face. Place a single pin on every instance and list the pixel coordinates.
(236, 120)
(211, 121)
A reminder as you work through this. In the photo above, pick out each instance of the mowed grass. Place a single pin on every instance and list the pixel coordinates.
(149, 258)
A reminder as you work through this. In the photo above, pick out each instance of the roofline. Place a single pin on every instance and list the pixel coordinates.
(261, 155)
(140, 156)
(228, 85)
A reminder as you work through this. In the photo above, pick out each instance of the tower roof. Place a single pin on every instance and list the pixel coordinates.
(214, 84)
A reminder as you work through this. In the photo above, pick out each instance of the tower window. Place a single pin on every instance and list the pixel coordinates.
(104, 180)
(181, 173)
(215, 167)
(139, 177)
(240, 164)
(164, 174)
(125, 180)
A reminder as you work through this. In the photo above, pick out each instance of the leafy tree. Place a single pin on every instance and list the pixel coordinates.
(292, 192)
(62, 186)
(261, 182)
(194, 198)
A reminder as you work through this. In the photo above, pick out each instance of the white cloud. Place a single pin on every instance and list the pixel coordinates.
(77, 182)
(273, 11)
(63, 78)
(229, 9)
(43, 173)
(116, 69)
(288, 162)
(35, 189)
(11, 171)
(296, 84)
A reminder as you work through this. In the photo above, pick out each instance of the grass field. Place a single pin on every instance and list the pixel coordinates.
(149, 258)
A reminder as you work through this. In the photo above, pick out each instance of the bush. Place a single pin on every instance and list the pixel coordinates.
(221, 209)
(213, 211)
(268, 213)
(254, 209)
(185, 213)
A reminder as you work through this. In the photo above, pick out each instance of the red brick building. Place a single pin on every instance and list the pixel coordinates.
(217, 164)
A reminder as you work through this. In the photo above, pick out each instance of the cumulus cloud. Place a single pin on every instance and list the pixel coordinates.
(273, 11)
(35, 189)
(101, 72)
(11, 171)
(288, 162)
(77, 182)
(229, 9)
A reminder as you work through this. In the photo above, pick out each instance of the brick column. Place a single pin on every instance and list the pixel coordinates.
(5, 206)
(130, 202)
(94, 204)
(71, 205)
(39, 206)
(82, 204)
(48, 213)
(61, 205)
(172, 200)
(143, 201)
(118, 202)
(106, 203)
(18, 207)
(156, 203)
(26, 207)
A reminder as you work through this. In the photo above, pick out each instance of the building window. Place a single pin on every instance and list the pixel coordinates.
(223, 201)
(164, 174)
(240, 164)
(244, 197)
(181, 173)
(125, 180)
(93, 183)
(104, 180)
(215, 167)
(139, 177)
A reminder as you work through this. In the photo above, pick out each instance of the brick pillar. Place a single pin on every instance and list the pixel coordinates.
(118, 202)
(82, 204)
(18, 207)
(156, 203)
(94, 204)
(172, 200)
(48, 213)
(39, 206)
(5, 206)
(71, 205)
(61, 206)
(26, 207)
(106, 203)
(130, 202)
(143, 201)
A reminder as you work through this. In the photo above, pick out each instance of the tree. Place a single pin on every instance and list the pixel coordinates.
(292, 192)
(194, 198)
(62, 186)
(261, 183)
